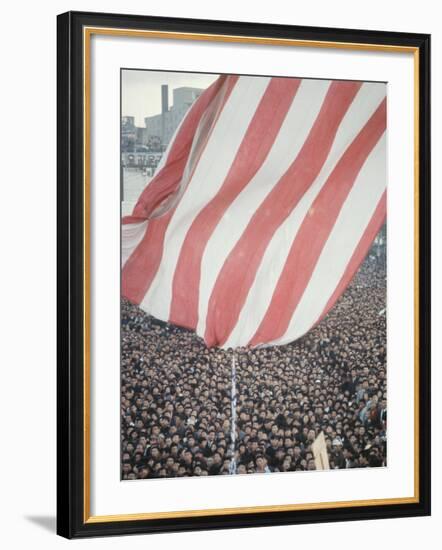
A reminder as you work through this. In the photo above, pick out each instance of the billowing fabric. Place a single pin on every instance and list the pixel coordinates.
(264, 206)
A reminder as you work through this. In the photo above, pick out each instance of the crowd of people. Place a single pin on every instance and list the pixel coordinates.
(176, 394)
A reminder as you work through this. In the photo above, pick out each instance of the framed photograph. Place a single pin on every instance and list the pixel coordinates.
(243, 274)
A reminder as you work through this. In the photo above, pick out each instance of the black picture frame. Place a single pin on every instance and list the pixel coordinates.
(72, 520)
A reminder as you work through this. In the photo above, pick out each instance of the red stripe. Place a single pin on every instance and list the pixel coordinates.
(126, 220)
(142, 266)
(239, 270)
(315, 230)
(255, 146)
(361, 251)
(167, 180)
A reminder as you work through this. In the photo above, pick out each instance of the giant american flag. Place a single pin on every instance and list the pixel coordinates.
(264, 205)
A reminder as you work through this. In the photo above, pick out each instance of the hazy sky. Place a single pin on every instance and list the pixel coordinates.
(141, 90)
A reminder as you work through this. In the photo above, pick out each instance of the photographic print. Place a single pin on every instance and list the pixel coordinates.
(253, 275)
(236, 315)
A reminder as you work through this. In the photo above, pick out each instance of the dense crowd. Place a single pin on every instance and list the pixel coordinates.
(176, 394)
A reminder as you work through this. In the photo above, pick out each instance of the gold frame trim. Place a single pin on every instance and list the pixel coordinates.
(87, 34)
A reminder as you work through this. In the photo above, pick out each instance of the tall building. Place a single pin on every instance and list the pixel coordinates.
(164, 125)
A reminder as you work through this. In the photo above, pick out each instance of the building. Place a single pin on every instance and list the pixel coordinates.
(131, 135)
(164, 125)
(142, 148)
(128, 132)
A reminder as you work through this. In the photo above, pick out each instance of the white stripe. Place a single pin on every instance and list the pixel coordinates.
(350, 225)
(209, 175)
(131, 236)
(258, 299)
(291, 137)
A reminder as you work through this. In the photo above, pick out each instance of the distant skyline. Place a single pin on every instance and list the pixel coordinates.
(141, 90)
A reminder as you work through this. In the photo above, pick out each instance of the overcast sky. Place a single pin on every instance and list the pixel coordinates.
(141, 90)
